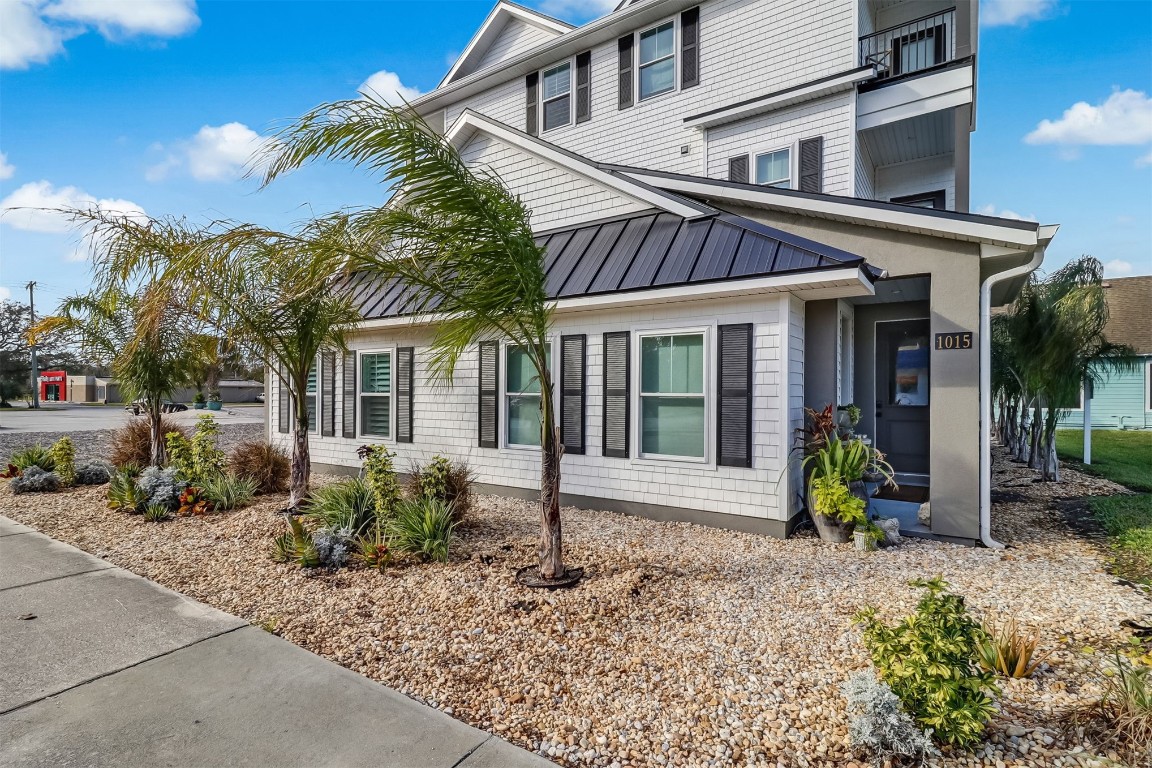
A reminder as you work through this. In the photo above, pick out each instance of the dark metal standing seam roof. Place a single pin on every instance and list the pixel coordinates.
(650, 250)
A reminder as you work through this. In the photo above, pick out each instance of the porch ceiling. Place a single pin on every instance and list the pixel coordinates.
(913, 139)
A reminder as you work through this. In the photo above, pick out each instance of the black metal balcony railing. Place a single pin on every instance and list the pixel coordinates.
(911, 47)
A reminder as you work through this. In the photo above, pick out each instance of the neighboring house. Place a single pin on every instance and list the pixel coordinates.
(1124, 400)
(748, 207)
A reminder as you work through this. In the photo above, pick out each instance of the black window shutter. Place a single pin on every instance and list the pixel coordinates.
(738, 169)
(328, 393)
(531, 84)
(284, 404)
(690, 48)
(734, 384)
(404, 378)
(624, 85)
(812, 164)
(489, 405)
(572, 397)
(583, 86)
(617, 409)
(348, 428)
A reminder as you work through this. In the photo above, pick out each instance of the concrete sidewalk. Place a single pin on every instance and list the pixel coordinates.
(100, 667)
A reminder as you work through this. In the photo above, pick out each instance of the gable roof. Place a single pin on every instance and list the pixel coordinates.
(1130, 312)
(499, 18)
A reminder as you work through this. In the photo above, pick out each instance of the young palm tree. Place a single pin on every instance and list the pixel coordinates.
(458, 239)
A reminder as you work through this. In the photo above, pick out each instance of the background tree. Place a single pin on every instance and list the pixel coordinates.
(459, 240)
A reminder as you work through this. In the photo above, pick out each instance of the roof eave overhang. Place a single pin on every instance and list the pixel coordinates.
(806, 92)
(493, 24)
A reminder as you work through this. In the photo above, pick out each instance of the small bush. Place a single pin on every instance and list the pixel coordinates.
(266, 464)
(154, 513)
(161, 486)
(35, 480)
(372, 550)
(380, 474)
(834, 499)
(333, 546)
(347, 504)
(446, 481)
(95, 472)
(228, 492)
(63, 453)
(193, 502)
(421, 527)
(1009, 651)
(132, 443)
(929, 660)
(295, 546)
(198, 460)
(33, 456)
(124, 494)
(879, 726)
(1121, 719)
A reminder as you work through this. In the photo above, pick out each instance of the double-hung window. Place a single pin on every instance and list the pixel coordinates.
(522, 395)
(311, 394)
(658, 60)
(376, 394)
(672, 398)
(557, 96)
(774, 169)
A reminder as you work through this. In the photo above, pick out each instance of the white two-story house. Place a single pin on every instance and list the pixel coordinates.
(747, 207)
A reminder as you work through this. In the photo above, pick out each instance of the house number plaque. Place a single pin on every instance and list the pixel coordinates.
(958, 340)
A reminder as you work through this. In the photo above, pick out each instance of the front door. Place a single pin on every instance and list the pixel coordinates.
(902, 375)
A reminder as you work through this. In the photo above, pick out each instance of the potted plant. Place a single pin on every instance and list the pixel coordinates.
(836, 511)
(848, 416)
(867, 536)
(199, 401)
(214, 400)
(848, 462)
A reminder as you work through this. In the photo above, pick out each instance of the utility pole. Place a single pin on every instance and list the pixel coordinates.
(32, 346)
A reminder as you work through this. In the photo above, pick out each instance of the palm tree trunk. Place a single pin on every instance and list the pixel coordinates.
(158, 453)
(301, 467)
(1034, 438)
(550, 550)
(1051, 463)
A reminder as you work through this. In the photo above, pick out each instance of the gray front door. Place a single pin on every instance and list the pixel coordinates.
(902, 376)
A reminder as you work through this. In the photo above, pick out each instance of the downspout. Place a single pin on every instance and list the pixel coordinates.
(986, 391)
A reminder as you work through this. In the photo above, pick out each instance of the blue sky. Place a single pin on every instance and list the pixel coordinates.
(153, 105)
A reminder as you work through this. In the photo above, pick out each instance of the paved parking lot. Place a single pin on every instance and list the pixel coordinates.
(64, 417)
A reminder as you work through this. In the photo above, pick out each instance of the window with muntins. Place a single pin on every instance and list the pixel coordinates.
(557, 96)
(774, 169)
(658, 60)
(376, 394)
(672, 398)
(522, 395)
(311, 390)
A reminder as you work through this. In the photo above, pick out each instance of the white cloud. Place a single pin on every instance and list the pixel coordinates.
(34, 206)
(33, 31)
(1125, 117)
(1003, 213)
(1006, 13)
(578, 10)
(385, 86)
(1117, 268)
(7, 170)
(1141, 162)
(215, 153)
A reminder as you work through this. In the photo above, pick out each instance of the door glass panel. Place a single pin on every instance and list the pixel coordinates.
(908, 369)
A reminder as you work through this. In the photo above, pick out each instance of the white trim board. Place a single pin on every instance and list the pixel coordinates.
(770, 103)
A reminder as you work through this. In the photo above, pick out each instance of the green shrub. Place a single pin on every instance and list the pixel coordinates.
(199, 459)
(154, 513)
(930, 661)
(34, 456)
(349, 504)
(380, 474)
(295, 546)
(832, 498)
(265, 464)
(228, 492)
(446, 481)
(421, 527)
(124, 494)
(35, 480)
(63, 453)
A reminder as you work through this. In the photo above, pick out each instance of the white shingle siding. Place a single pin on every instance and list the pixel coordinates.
(916, 177)
(830, 118)
(516, 38)
(445, 419)
(747, 49)
(865, 172)
(555, 197)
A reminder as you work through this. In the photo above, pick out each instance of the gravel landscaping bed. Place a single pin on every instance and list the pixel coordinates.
(683, 646)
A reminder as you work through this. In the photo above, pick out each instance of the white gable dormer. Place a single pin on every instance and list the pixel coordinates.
(508, 31)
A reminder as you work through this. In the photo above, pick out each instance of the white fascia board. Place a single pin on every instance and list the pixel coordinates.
(499, 16)
(470, 121)
(805, 93)
(829, 283)
(912, 98)
(874, 216)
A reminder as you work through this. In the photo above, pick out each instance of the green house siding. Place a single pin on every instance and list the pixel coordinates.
(1121, 395)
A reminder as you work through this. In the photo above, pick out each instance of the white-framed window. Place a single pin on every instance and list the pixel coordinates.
(657, 66)
(556, 95)
(375, 394)
(312, 396)
(673, 409)
(1148, 386)
(521, 397)
(774, 168)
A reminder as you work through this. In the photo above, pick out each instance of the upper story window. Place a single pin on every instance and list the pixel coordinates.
(522, 394)
(376, 394)
(557, 96)
(658, 60)
(774, 169)
(672, 395)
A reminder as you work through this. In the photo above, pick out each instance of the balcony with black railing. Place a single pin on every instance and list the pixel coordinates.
(912, 47)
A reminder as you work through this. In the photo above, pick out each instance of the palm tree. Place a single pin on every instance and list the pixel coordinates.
(460, 242)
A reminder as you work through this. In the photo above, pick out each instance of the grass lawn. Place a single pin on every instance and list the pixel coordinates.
(1128, 520)
(1122, 457)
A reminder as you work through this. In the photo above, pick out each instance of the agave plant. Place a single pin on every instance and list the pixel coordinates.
(1009, 651)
